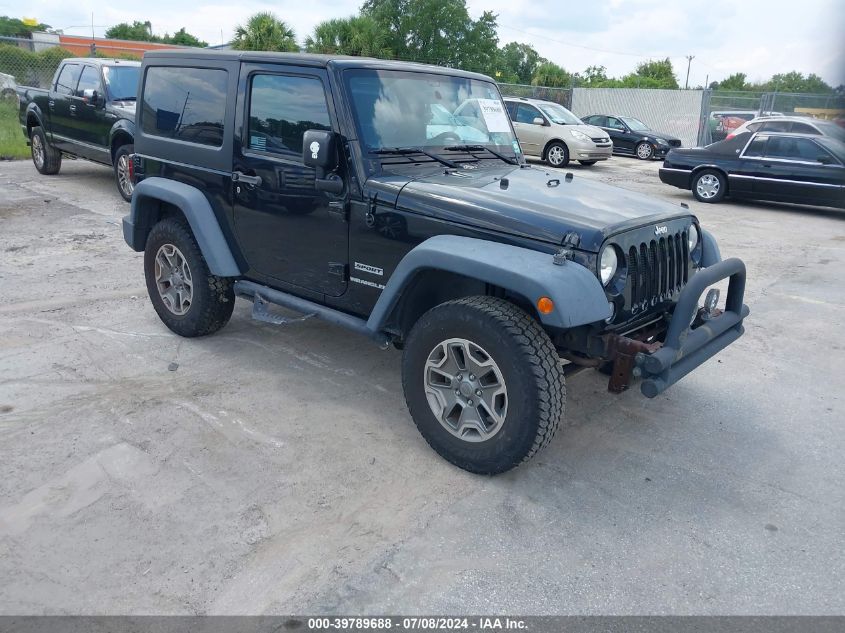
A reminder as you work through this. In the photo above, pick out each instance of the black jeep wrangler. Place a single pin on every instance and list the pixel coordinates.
(348, 189)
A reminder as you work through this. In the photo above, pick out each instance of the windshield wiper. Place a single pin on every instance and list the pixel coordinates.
(478, 148)
(414, 150)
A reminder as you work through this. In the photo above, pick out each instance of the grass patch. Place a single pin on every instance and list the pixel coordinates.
(12, 140)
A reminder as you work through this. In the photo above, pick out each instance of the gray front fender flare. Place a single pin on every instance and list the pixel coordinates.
(709, 249)
(196, 209)
(578, 296)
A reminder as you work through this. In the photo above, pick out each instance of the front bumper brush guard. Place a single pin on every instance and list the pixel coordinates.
(685, 348)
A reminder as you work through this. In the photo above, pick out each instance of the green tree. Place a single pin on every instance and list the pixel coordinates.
(551, 75)
(733, 82)
(13, 27)
(264, 32)
(517, 63)
(183, 38)
(652, 74)
(594, 77)
(437, 32)
(797, 82)
(138, 31)
(356, 35)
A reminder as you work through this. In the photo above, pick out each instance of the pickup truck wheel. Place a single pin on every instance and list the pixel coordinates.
(186, 296)
(483, 383)
(121, 171)
(47, 159)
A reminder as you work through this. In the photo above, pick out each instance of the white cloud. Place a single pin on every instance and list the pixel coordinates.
(757, 37)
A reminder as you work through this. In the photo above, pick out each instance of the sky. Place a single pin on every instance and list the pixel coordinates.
(757, 37)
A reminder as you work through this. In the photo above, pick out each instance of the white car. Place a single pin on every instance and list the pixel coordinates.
(453, 128)
(793, 124)
(8, 87)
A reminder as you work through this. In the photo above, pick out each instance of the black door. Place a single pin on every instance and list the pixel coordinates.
(288, 229)
(88, 125)
(623, 139)
(797, 169)
(59, 103)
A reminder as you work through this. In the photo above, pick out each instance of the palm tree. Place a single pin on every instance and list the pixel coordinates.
(265, 32)
(357, 35)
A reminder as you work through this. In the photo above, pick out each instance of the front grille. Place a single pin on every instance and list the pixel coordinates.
(674, 143)
(658, 269)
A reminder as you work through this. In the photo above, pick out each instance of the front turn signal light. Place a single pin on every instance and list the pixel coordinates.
(545, 305)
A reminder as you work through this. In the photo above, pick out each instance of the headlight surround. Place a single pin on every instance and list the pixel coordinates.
(693, 237)
(661, 141)
(577, 134)
(608, 264)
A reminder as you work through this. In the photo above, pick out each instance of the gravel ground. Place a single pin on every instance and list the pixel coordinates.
(276, 470)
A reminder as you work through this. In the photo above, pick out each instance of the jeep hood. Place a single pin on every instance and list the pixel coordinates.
(528, 202)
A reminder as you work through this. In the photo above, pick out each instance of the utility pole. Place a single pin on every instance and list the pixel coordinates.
(689, 62)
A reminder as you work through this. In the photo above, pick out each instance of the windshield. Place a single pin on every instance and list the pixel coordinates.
(559, 114)
(634, 124)
(830, 129)
(122, 82)
(408, 109)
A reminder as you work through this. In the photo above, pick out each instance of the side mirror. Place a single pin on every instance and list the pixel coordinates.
(824, 159)
(319, 150)
(92, 97)
(538, 121)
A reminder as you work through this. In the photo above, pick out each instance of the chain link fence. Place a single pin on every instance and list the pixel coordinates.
(563, 96)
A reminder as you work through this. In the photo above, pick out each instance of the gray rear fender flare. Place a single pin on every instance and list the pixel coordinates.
(577, 294)
(146, 199)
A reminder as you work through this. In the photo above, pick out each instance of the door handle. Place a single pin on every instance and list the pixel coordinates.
(51, 103)
(72, 108)
(239, 176)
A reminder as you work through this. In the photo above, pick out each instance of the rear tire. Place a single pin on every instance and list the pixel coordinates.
(709, 186)
(47, 159)
(186, 296)
(121, 171)
(483, 383)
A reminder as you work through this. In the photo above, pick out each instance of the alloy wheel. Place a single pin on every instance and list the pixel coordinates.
(707, 186)
(644, 151)
(37, 151)
(173, 279)
(556, 155)
(465, 390)
(123, 179)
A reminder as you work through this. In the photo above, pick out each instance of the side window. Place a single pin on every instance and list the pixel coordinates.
(757, 147)
(281, 109)
(598, 120)
(753, 127)
(526, 113)
(89, 80)
(66, 83)
(511, 107)
(188, 104)
(792, 148)
(614, 123)
(803, 128)
(776, 126)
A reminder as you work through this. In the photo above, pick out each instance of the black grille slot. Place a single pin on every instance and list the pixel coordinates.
(674, 143)
(658, 269)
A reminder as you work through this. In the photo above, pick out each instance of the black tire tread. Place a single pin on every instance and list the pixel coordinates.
(541, 356)
(52, 156)
(216, 310)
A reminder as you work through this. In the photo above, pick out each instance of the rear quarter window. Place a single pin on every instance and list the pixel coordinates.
(187, 104)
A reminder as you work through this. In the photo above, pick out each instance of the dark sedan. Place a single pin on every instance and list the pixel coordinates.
(764, 166)
(632, 137)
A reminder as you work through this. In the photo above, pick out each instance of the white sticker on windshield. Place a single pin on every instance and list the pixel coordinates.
(495, 117)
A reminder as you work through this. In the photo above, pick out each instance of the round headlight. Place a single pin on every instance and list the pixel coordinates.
(607, 264)
(693, 237)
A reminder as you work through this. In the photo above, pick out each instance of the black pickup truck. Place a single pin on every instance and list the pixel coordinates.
(331, 187)
(87, 112)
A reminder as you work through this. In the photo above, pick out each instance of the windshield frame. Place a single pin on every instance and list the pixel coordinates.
(627, 121)
(511, 149)
(567, 113)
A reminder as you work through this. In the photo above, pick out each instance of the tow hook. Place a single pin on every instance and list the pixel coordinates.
(624, 352)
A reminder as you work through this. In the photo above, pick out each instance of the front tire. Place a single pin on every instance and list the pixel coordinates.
(644, 151)
(47, 159)
(709, 186)
(186, 296)
(483, 383)
(557, 155)
(121, 171)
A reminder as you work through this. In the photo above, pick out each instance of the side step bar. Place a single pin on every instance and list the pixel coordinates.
(260, 294)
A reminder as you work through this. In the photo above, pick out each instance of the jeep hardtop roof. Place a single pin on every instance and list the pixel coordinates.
(102, 61)
(341, 62)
